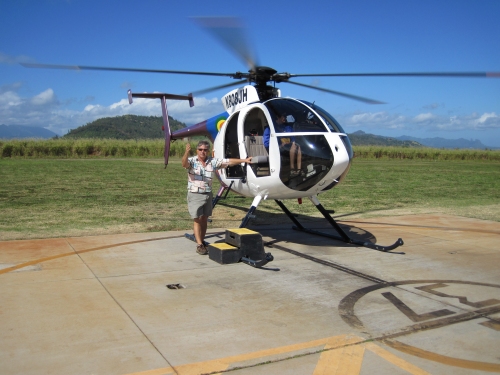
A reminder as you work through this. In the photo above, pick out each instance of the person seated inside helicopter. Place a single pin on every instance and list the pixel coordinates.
(282, 126)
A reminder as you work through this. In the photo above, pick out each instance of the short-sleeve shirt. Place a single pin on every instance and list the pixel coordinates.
(278, 129)
(200, 177)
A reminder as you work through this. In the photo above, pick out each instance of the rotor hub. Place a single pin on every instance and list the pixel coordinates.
(261, 75)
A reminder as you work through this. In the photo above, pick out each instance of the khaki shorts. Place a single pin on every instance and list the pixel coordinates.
(199, 204)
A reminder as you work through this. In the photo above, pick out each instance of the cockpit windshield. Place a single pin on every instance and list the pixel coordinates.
(293, 116)
(332, 124)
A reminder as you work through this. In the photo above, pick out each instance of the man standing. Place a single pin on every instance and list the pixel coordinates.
(201, 169)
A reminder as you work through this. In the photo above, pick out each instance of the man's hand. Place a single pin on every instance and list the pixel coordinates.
(238, 161)
(184, 161)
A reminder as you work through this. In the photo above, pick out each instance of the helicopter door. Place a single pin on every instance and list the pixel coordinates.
(253, 129)
(231, 149)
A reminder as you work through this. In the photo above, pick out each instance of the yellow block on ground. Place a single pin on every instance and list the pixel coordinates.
(223, 246)
(224, 253)
(242, 231)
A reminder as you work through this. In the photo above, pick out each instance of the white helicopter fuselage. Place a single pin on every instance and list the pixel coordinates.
(305, 155)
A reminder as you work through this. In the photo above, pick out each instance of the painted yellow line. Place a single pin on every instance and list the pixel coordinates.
(209, 367)
(33, 262)
(46, 259)
(340, 355)
(395, 360)
(158, 371)
(457, 362)
(348, 360)
(222, 364)
(343, 361)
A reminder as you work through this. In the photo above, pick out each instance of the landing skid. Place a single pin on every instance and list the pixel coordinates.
(258, 263)
(191, 237)
(220, 194)
(342, 235)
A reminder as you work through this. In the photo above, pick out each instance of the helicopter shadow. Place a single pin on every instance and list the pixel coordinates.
(281, 229)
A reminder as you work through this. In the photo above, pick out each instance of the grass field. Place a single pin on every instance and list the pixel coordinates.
(42, 198)
(153, 148)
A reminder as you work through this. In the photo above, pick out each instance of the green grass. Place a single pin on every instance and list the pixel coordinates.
(42, 198)
(88, 148)
(424, 153)
(45, 198)
(153, 148)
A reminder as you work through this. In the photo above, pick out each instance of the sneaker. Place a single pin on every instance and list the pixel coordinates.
(202, 250)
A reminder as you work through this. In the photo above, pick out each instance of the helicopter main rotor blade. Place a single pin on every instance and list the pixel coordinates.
(407, 74)
(231, 32)
(354, 97)
(210, 89)
(137, 70)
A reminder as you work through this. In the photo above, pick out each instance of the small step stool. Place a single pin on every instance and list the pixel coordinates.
(240, 244)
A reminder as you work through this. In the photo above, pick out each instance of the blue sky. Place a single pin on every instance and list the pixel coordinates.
(290, 36)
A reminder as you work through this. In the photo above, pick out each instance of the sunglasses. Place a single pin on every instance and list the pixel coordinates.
(203, 149)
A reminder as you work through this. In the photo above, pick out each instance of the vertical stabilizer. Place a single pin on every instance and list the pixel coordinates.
(166, 125)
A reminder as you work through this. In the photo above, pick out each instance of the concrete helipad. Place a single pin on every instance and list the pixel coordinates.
(101, 305)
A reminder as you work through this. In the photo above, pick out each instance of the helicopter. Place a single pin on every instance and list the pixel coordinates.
(308, 153)
(298, 149)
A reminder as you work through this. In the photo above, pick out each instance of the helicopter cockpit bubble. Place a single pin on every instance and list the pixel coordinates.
(306, 156)
(313, 164)
(330, 122)
(333, 125)
(297, 115)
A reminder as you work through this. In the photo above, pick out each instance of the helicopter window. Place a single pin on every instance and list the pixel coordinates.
(254, 125)
(231, 148)
(255, 122)
(231, 139)
(293, 116)
(332, 124)
(305, 161)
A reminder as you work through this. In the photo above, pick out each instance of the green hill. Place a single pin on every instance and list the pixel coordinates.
(125, 127)
(360, 138)
(150, 127)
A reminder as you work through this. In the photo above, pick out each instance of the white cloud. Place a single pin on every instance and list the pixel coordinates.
(424, 117)
(44, 98)
(9, 99)
(203, 109)
(371, 121)
(484, 127)
(369, 117)
(488, 120)
(374, 120)
(46, 111)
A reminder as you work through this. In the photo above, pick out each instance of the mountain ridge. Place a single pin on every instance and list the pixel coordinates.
(150, 127)
(438, 142)
(360, 138)
(20, 132)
